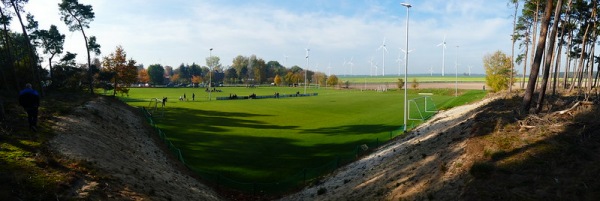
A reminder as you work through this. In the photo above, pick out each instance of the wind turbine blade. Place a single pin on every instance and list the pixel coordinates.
(443, 43)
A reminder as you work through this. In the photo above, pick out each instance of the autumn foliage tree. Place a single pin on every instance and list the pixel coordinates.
(124, 71)
(196, 79)
(143, 76)
(332, 80)
(277, 80)
(400, 83)
(498, 71)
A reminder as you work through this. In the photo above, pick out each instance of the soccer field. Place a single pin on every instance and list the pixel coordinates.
(269, 140)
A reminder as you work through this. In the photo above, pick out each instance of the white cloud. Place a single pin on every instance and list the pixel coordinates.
(182, 31)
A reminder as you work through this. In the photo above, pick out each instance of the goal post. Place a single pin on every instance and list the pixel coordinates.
(156, 106)
(421, 108)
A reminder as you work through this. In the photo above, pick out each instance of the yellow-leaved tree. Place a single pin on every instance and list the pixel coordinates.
(332, 80)
(497, 70)
(277, 80)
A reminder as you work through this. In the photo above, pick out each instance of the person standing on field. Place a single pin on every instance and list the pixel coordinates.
(29, 99)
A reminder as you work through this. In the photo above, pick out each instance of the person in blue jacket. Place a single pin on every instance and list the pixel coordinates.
(29, 99)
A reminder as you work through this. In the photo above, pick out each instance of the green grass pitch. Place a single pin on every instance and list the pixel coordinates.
(266, 140)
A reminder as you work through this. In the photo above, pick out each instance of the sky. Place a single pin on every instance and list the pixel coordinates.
(344, 36)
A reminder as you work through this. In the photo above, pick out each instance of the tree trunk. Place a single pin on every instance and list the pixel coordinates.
(579, 76)
(549, 54)
(560, 45)
(525, 65)
(32, 56)
(90, 74)
(514, 39)
(535, 32)
(539, 52)
(557, 63)
(592, 47)
(569, 60)
(9, 57)
(590, 68)
(87, 48)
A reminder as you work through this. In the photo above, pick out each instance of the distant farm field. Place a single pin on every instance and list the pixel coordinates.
(419, 78)
(267, 140)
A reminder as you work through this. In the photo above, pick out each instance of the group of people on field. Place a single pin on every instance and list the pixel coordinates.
(184, 97)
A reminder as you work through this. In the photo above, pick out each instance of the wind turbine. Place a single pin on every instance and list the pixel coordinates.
(344, 67)
(351, 65)
(470, 69)
(371, 67)
(405, 53)
(399, 60)
(430, 71)
(383, 51)
(443, 44)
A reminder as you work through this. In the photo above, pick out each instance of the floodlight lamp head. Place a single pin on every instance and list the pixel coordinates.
(406, 5)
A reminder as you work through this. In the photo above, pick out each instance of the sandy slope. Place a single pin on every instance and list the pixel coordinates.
(428, 164)
(112, 138)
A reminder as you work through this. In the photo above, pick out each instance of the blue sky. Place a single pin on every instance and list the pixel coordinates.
(182, 31)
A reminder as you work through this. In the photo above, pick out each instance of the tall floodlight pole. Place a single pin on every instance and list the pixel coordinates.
(456, 74)
(406, 67)
(209, 74)
(306, 71)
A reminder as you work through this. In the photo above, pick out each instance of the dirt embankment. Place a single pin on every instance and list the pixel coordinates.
(107, 135)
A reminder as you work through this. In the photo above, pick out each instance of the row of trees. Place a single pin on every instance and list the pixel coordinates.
(243, 70)
(20, 61)
(548, 31)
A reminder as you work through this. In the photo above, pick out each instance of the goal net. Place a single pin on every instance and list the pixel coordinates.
(421, 108)
(156, 107)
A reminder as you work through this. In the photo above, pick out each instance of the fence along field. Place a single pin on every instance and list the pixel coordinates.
(245, 143)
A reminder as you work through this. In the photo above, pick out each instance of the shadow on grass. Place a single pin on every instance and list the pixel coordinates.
(207, 144)
(205, 121)
(352, 129)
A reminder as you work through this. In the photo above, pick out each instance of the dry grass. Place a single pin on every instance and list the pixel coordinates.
(540, 156)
